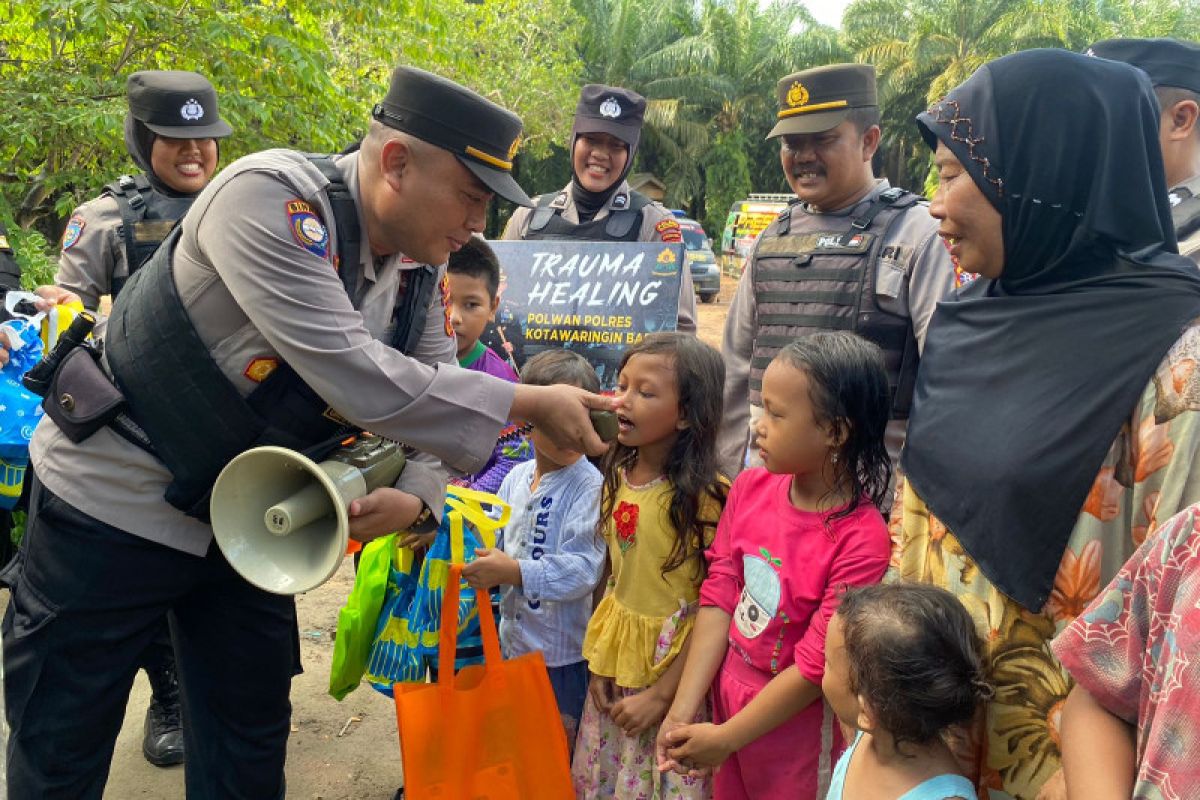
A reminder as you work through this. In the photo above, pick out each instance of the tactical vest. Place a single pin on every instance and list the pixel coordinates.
(825, 280)
(147, 216)
(621, 225)
(194, 419)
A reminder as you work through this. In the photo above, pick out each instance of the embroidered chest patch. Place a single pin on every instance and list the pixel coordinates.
(823, 243)
(668, 231)
(310, 232)
(625, 520)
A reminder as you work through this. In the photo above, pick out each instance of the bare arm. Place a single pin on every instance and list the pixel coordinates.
(1099, 755)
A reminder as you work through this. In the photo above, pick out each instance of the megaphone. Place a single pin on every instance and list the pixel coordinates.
(281, 518)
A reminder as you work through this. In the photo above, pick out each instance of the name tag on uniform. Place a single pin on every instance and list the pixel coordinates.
(820, 242)
(154, 230)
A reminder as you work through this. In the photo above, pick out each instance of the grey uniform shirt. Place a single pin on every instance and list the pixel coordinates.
(910, 287)
(653, 215)
(88, 265)
(1190, 246)
(255, 293)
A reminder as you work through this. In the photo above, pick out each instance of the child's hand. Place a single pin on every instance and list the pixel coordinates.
(639, 712)
(698, 747)
(492, 567)
(417, 541)
(662, 744)
(603, 692)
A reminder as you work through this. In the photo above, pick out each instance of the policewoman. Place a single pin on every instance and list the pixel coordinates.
(1174, 69)
(171, 133)
(293, 303)
(598, 205)
(851, 252)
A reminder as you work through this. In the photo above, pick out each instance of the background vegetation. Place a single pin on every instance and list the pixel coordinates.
(304, 75)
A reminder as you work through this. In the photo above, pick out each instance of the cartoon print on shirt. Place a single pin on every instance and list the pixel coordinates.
(759, 602)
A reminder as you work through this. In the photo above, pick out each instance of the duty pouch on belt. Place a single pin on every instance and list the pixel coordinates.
(82, 399)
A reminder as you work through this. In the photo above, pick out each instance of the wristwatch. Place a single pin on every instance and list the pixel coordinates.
(425, 521)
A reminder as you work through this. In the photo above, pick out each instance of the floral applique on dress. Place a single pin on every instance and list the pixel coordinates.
(625, 520)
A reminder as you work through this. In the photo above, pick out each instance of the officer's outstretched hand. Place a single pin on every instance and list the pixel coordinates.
(561, 412)
(53, 296)
(383, 511)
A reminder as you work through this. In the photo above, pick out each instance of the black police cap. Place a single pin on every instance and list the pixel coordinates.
(612, 110)
(1168, 62)
(182, 105)
(480, 134)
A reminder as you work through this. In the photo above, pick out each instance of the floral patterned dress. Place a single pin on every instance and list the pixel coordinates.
(1150, 473)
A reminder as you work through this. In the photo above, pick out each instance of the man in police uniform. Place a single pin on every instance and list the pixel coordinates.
(850, 253)
(598, 205)
(279, 309)
(1174, 69)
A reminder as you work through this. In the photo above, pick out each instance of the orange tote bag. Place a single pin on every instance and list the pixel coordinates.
(491, 732)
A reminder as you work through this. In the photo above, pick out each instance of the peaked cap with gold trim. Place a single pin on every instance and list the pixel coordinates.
(483, 136)
(818, 99)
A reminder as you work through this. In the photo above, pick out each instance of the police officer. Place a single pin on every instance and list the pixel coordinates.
(598, 205)
(850, 253)
(1174, 69)
(295, 296)
(171, 133)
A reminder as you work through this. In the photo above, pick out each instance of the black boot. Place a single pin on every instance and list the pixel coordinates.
(163, 741)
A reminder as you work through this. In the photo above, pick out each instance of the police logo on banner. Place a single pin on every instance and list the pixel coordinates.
(307, 227)
(73, 231)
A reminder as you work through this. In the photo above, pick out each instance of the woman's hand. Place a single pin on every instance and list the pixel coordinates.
(561, 412)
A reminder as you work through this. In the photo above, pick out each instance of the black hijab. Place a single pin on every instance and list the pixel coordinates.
(139, 142)
(1026, 380)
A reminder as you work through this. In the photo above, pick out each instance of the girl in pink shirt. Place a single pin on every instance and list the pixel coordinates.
(793, 535)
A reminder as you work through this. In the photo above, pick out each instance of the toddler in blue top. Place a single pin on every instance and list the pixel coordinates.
(549, 559)
(902, 664)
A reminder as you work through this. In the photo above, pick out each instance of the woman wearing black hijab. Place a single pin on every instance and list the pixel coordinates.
(171, 132)
(1055, 415)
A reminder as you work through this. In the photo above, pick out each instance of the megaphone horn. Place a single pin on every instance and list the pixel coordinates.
(281, 519)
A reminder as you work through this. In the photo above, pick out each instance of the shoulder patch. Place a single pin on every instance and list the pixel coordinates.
(310, 232)
(260, 368)
(668, 230)
(73, 231)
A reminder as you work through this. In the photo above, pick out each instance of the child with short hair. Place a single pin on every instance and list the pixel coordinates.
(549, 559)
(794, 534)
(661, 501)
(472, 281)
(902, 665)
(1131, 725)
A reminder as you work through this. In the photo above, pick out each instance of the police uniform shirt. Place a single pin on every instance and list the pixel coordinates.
(254, 268)
(658, 225)
(1189, 245)
(909, 285)
(93, 251)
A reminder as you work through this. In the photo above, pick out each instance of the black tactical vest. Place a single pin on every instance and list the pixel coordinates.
(621, 225)
(815, 280)
(147, 216)
(195, 419)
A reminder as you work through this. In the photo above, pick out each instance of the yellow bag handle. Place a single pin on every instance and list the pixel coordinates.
(467, 504)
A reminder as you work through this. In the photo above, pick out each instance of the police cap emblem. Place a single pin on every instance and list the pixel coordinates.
(797, 95)
(192, 110)
(610, 108)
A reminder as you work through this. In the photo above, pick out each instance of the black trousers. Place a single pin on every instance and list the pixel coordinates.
(87, 598)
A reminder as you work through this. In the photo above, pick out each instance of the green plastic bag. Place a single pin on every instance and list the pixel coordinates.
(357, 619)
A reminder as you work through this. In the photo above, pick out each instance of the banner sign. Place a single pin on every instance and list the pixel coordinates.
(595, 298)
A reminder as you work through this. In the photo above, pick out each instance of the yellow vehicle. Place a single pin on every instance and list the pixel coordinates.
(747, 219)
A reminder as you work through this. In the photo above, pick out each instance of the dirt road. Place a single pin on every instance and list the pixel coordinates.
(337, 751)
